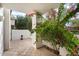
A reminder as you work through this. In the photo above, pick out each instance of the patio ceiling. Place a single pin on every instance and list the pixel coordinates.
(27, 7)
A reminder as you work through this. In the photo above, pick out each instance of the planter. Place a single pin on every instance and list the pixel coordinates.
(47, 44)
(36, 44)
(39, 44)
(63, 51)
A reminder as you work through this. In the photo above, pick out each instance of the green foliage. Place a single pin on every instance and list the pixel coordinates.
(39, 14)
(69, 15)
(20, 23)
(55, 32)
(75, 23)
(23, 22)
(74, 26)
(29, 22)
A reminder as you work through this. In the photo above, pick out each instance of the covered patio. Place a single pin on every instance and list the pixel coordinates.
(28, 46)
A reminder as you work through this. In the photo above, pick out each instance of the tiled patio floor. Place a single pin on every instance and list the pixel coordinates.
(24, 48)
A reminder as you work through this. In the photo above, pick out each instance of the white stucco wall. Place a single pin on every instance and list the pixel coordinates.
(12, 22)
(1, 38)
(34, 34)
(16, 34)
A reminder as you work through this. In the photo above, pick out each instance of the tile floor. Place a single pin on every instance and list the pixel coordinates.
(24, 48)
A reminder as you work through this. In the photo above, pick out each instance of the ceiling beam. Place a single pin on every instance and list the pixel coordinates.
(26, 7)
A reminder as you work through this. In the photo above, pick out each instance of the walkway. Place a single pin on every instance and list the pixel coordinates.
(24, 48)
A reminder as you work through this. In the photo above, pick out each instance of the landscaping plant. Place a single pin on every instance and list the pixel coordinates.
(23, 22)
(55, 31)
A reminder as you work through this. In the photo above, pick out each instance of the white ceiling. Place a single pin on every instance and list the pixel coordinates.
(27, 7)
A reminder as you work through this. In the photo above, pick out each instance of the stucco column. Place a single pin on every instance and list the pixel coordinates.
(7, 29)
(34, 33)
(1, 35)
